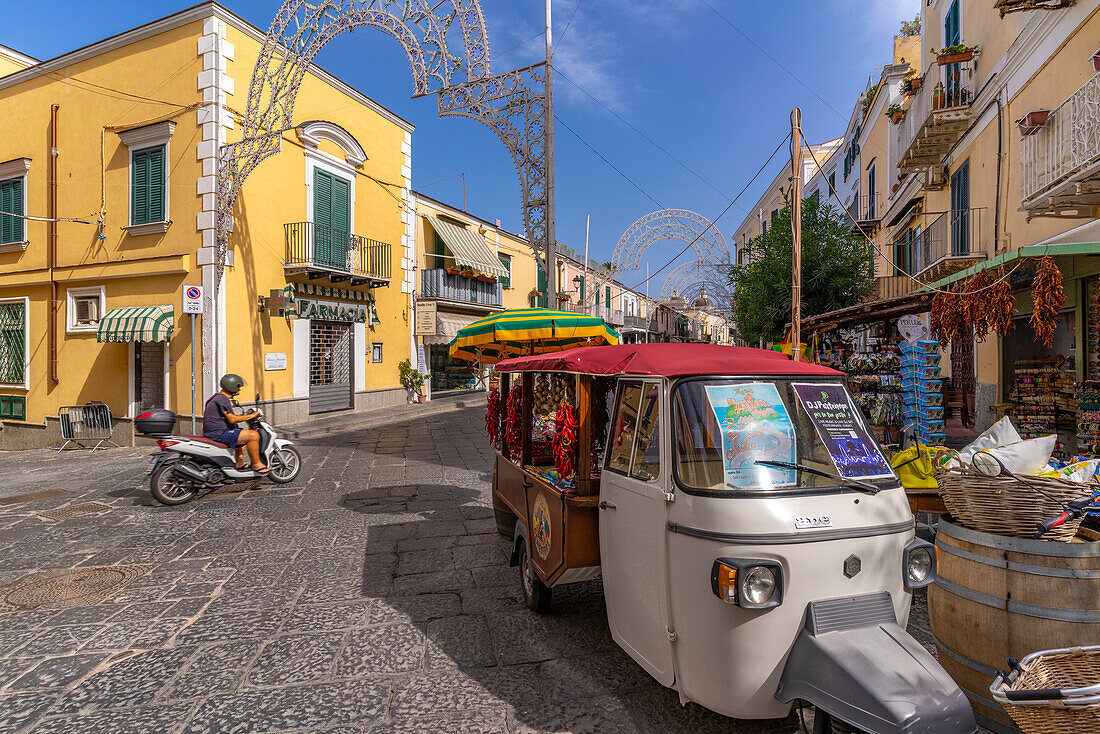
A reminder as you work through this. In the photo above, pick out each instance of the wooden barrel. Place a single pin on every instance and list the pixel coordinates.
(998, 597)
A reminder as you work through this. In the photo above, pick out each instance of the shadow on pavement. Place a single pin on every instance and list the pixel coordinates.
(444, 578)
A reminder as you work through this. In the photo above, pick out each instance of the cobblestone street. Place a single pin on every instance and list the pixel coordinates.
(373, 594)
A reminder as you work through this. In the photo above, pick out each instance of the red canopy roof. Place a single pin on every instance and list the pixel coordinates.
(667, 360)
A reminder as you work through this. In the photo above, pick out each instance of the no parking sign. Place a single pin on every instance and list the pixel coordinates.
(192, 299)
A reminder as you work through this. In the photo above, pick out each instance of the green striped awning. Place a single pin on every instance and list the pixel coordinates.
(136, 324)
(469, 248)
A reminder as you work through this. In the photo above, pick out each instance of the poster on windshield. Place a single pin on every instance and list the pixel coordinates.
(836, 418)
(755, 427)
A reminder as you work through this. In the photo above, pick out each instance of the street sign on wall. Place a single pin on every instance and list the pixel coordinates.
(425, 318)
(192, 299)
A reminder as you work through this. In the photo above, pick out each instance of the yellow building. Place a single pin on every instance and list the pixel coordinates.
(980, 191)
(469, 268)
(315, 307)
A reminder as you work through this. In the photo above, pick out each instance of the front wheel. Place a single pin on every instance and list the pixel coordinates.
(286, 464)
(169, 488)
(536, 595)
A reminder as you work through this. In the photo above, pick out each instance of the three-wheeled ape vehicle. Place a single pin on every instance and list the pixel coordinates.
(755, 546)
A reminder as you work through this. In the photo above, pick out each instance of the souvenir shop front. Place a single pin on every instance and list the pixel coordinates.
(892, 363)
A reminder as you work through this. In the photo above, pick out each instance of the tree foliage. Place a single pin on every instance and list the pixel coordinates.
(837, 271)
(910, 27)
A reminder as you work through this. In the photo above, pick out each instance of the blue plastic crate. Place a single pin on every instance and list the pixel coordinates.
(928, 345)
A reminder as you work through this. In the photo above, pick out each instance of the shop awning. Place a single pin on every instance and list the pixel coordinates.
(447, 326)
(870, 312)
(136, 324)
(469, 248)
(1082, 240)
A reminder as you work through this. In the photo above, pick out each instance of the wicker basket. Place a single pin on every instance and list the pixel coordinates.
(1004, 505)
(1056, 669)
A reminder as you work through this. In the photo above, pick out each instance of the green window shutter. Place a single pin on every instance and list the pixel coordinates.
(139, 188)
(506, 261)
(607, 296)
(147, 186)
(11, 201)
(156, 184)
(341, 205)
(322, 198)
(541, 286)
(6, 222)
(441, 250)
(583, 279)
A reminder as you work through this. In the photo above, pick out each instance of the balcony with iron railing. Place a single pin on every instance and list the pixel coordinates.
(642, 323)
(438, 283)
(950, 243)
(938, 115)
(1061, 158)
(867, 211)
(319, 251)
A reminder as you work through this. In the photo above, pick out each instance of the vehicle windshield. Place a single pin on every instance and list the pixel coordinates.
(723, 427)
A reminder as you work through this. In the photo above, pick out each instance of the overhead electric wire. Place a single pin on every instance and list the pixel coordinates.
(570, 21)
(716, 219)
(651, 141)
(45, 219)
(609, 163)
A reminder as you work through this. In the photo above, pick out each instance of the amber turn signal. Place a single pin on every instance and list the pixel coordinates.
(724, 582)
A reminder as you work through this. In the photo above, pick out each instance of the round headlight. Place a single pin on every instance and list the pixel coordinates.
(757, 585)
(920, 565)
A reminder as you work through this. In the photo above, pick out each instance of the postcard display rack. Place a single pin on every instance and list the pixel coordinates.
(876, 383)
(922, 389)
(1045, 401)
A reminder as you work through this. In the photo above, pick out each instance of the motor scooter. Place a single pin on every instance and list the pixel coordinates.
(186, 465)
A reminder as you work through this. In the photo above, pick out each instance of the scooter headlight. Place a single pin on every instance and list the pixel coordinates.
(919, 564)
(747, 584)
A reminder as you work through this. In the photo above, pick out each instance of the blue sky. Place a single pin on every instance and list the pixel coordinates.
(673, 68)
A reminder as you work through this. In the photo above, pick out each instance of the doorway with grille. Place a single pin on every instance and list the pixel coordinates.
(330, 366)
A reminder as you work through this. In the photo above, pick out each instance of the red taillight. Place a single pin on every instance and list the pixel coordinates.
(165, 444)
(145, 415)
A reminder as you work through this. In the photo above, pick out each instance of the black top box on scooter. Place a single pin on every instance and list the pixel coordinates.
(158, 422)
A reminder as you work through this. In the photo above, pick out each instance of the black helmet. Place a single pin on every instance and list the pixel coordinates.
(232, 384)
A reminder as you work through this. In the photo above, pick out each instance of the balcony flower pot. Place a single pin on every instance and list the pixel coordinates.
(1033, 122)
(897, 117)
(939, 97)
(911, 85)
(453, 271)
(948, 59)
(1096, 60)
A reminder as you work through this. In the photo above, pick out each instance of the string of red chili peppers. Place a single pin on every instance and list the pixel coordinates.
(515, 424)
(565, 441)
(492, 418)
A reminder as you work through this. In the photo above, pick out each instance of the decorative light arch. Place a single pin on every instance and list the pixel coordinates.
(688, 278)
(671, 224)
(512, 105)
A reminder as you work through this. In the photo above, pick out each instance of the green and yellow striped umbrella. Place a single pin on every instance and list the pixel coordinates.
(523, 331)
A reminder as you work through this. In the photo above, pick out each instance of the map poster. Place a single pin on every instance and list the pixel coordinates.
(840, 427)
(755, 426)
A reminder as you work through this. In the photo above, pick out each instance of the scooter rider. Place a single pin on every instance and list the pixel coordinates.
(218, 421)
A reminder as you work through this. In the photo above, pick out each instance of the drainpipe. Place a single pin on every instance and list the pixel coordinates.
(52, 250)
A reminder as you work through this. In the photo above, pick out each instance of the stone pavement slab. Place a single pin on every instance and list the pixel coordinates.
(371, 595)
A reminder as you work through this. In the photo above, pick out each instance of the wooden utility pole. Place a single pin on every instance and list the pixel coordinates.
(796, 232)
(551, 242)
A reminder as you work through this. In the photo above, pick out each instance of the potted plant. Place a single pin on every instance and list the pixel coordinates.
(939, 96)
(452, 270)
(911, 85)
(895, 113)
(563, 296)
(1032, 122)
(956, 54)
(412, 381)
(1096, 60)
(535, 293)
